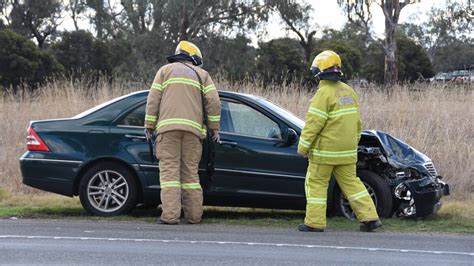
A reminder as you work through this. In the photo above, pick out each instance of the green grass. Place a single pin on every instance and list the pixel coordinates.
(454, 217)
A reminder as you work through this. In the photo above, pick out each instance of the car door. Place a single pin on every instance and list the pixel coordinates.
(128, 131)
(253, 159)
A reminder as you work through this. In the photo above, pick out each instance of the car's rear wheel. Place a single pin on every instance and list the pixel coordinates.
(108, 189)
(378, 190)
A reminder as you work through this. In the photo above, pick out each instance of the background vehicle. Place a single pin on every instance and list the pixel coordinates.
(102, 156)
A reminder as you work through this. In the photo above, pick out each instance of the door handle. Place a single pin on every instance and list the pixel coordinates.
(132, 136)
(230, 143)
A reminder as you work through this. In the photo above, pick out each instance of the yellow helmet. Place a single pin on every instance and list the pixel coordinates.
(189, 49)
(326, 62)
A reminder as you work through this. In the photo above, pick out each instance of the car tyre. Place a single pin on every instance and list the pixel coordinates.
(108, 189)
(376, 186)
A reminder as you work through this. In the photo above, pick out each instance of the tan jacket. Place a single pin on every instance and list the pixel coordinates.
(175, 100)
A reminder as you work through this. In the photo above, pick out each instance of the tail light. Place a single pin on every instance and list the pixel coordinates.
(34, 142)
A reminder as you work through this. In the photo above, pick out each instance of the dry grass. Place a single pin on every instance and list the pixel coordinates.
(435, 119)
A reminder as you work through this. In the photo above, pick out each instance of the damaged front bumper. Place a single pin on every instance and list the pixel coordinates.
(420, 197)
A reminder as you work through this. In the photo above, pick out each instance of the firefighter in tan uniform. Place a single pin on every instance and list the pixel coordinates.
(329, 140)
(180, 92)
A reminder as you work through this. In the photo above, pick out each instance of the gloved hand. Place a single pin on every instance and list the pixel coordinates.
(149, 133)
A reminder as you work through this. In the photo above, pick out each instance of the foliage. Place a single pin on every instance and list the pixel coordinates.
(81, 54)
(279, 60)
(231, 57)
(23, 62)
(297, 19)
(38, 19)
(412, 60)
(445, 36)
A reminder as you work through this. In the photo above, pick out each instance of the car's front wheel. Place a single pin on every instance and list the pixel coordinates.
(108, 189)
(378, 190)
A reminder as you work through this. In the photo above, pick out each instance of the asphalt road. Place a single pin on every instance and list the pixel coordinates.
(92, 242)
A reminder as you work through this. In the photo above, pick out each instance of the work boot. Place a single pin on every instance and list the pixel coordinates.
(159, 221)
(370, 226)
(305, 228)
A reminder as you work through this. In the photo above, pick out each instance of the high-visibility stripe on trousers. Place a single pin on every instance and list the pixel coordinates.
(316, 187)
(179, 153)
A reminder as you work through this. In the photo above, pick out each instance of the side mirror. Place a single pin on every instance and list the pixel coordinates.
(291, 137)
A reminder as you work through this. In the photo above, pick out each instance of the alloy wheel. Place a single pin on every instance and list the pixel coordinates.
(107, 191)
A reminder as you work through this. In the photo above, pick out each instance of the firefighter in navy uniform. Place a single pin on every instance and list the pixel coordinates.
(180, 93)
(329, 140)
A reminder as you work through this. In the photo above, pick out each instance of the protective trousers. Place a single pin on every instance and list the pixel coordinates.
(179, 153)
(316, 188)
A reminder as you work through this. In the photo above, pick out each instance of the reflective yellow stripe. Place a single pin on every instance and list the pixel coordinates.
(191, 186)
(181, 121)
(358, 195)
(304, 143)
(214, 118)
(166, 184)
(334, 153)
(347, 111)
(157, 86)
(181, 81)
(151, 118)
(209, 88)
(318, 112)
(316, 200)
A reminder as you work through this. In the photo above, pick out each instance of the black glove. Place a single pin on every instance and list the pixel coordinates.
(149, 133)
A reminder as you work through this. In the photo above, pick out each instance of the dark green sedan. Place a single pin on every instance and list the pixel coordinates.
(102, 156)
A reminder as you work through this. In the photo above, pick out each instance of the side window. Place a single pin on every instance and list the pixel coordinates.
(135, 118)
(241, 119)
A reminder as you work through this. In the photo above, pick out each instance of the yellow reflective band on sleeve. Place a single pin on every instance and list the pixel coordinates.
(347, 111)
(181, 121)
(191, 186)
(358, 195)
(157, 86)
(304, 143)
(318, 112)
(214, 118)
(334, 153)
(316, 200)
(166, 184)
(209, 88)
(150, 118)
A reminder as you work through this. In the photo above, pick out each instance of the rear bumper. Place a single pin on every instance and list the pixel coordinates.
(51, 175)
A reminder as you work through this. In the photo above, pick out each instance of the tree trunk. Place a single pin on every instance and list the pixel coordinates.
(183, 29)
(391, 67)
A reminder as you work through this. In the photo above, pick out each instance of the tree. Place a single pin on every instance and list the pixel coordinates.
(233, 58)
(360, 10)
(280, 60)
(195, 17)
(37, 19)
(23, 62)
(76, 8)
(81, 54)
(296, 17)
(412, 60)
(446, 36)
